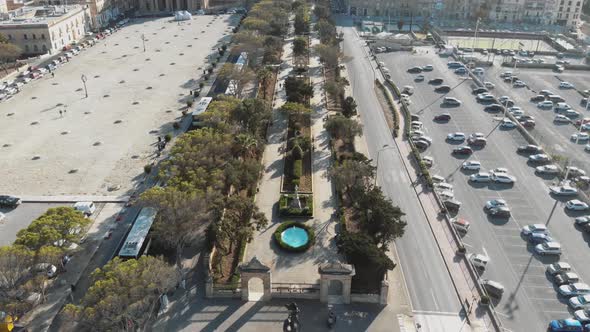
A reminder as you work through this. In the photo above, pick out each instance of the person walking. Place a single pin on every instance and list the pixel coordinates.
(61, 114)
(52, 75)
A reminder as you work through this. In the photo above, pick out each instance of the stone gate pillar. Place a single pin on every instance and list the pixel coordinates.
(342, 273)
(255, 269)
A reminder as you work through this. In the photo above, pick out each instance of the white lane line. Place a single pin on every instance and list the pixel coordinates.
(427, 312)
(434, 299)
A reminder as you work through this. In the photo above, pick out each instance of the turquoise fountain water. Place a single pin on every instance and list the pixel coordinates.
(295, 237)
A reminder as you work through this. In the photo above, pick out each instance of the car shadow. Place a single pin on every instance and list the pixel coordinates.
(560, 198)
(449, 106)
(440, 121)
(468, 171)
(497, 221)
(572, 213)
(545, 176)
(451, 142)
(500, 186)
(460, 156)
(477, 185)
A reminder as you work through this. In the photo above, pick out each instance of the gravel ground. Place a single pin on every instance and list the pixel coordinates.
(143, 91)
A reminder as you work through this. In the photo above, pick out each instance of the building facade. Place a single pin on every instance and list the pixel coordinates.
(568, 12)
(40, 30)
(101, 12)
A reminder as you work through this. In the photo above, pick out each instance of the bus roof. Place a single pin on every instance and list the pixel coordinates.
(202, 105)
(138, 232)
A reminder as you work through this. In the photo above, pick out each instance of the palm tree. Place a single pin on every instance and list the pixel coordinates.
(245, 146)
(263, 75)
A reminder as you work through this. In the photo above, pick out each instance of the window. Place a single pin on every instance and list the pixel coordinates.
(34, 36)
(25, 36)
(44, 48)
(578, 3)
(560, 9)
(569, 3)
(567, 16)
(562, 1)
(27, 48)
(42, 36)
(35, 48)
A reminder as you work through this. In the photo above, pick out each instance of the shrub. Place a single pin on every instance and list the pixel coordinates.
(210, 70)
(176, 125)
(189, 103)
(213, 65)
(206, 77)
(147, 168)
(295, 182)
(224, 48)
(201, 85)
(168, 137)
(297, 168)
(285, 210)
(485, 300)
(297, 152)
(289, 224)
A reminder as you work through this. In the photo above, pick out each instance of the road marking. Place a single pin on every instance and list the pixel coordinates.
(467, 245)
(427, 312)
(485, 252)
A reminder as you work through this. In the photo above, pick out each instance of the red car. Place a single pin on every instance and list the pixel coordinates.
(464, 150)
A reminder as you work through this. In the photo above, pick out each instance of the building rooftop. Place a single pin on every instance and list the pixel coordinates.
(37, 15)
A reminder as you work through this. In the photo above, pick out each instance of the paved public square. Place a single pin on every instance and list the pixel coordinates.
(500, 43)
(103, 141)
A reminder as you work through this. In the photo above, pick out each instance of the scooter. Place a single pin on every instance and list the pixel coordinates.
(331, 319)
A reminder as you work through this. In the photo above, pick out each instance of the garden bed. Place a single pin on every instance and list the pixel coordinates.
(305, 180)
(287, 210)
(224, 267)
(333, 103)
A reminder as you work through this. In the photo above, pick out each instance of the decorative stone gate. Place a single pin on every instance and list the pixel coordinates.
(252, 270)
(335, 282)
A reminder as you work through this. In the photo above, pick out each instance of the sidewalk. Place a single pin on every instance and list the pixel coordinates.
(73, 199)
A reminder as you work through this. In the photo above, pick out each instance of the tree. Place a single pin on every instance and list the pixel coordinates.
(349, 107)
(251, 23)
(329, 54)
(299, 46)
(295, 109)
(301, 23)
(245, 146)
(326, 31)
(236, 78)
(124, 294)
(15, 262)
(298, 91)
(361, 250)
(382, 219)
(8, 51)
(243, 175)
(343, 128)
(59, 227)
(263, 75)
(197, 160)
(252, 115)
(182, 216)
(240, 220)
(321, 11)
(353, 178)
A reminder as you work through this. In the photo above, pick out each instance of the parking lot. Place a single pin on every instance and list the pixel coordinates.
(56, 141)
(500, 43)
(530, 300)
(556, 137)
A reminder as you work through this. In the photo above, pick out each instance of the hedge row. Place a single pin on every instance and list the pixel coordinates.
(391, 108)
(297, 168)
(289, 224)
(287, 211)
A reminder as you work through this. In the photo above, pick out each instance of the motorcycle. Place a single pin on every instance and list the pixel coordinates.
(331, 319)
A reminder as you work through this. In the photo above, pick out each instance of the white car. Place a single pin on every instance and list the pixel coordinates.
(563, 190)
(566, 85)
(548, 248)
(458, 137)
(489, 85)
(503, 99)
(580, 137)
(558, 267)
(419, 78)
(2, 217)
(499, 170)
(582, 315)
(545, 104)
(571, 113)
(503, 178)
(428, 68)
(438, 178)
(587, 148)
(518, 112)
(519, 84)
(479, 260)
(576, 205)
(574, 289)
(485, 97)
(480, 177)
(471, 165)
(451, 101)
(561, 119)
(443, 186)
(541, 157)
(580, 302)
(507, 124)
(535, 228)
(495, 203)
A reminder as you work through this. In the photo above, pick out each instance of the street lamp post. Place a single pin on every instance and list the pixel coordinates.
(143, 41)
(385, 147)
(84, 79)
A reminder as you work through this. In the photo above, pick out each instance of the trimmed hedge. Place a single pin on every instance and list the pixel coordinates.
(388, 97)
(287, 211)
(297, 168)
(289, 224)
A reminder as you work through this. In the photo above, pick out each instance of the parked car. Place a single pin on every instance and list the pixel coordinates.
(477, 141)
(575, 289)
(463, 150)
(546, 93)
(419, 78)
(479, 90)
(574, 171)
(580, 137)
(437, 80)
(571, 113)
(452, 205)
(582, 315)
(461, 71)
(489, 85)
(485, 97)
(480, 177)
(565, 325)
(519, 84)
(450, 101)
(548, 248)
(535, 228)
(457, 137)
(495, 203)
(566, 85)
(538, 98)
(428, 68)
(582, 220)
(530, 148)
(507, 124)
(529, 124)
(501, 212)
(539, 158)
(576, 205)
(559, 118)
(556, 98)
(503, 178)
(494, 108)
(558, 267)
(443, 117)
(8, 201)
(536, 238)
(545, 104)
(479, 261)
(564, 278)
(442, 89)
(415, 70)
(563, 190)
(471, 165)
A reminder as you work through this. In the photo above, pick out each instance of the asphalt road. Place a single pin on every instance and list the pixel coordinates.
(19, 218)
(428, 281)
(530, 300)
(554, 136)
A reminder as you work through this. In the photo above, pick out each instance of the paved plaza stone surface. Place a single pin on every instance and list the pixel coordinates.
(145, 91)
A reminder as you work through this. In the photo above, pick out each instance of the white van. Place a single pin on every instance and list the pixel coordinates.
(479, 71)
(87, 208)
